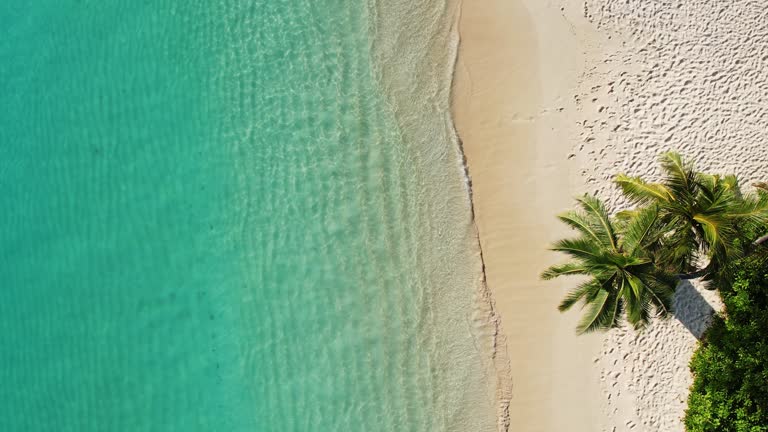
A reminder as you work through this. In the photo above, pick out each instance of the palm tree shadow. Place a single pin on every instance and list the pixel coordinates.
(692, 310)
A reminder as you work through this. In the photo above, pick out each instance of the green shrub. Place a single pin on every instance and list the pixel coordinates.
(730, 388)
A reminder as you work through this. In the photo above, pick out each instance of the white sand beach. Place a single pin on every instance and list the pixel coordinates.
(554, 98)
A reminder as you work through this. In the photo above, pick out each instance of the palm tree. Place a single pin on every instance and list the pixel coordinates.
(623, 279)
(762, 190)
(701, 215)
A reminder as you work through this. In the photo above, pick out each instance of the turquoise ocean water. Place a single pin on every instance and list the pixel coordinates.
(235, 216)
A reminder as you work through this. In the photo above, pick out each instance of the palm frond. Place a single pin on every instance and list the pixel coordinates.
(628, 298)
(582, 223)
(571, 268)
(661, 287)
(641, 229)
(627, 215)
(596, 209)
(587, 289)
(680, 176)
(751, 209)
(636, 287)
(731, 184)
(580, 248)
(640, 191)
(708, 182)
(601, 313)
(712, 226)
(679, 248)
(640, 313)
(719, 237)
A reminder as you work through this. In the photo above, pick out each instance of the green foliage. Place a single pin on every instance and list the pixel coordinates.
(701, 215)
(634, 260)
(730, 388)
(623, 279)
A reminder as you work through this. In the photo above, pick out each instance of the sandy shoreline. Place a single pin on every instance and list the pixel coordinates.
(505, 102)
(552, 99)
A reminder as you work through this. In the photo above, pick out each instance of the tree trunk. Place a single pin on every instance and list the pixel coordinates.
(694, 275)
(701, 272)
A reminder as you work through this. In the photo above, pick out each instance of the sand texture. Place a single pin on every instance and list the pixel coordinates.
(506, 110)
(554, 98)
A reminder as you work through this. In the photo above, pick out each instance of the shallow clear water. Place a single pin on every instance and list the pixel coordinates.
(234, 216)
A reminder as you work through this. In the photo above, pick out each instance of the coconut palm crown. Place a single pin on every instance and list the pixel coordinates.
(623, 280)
(701, 215)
